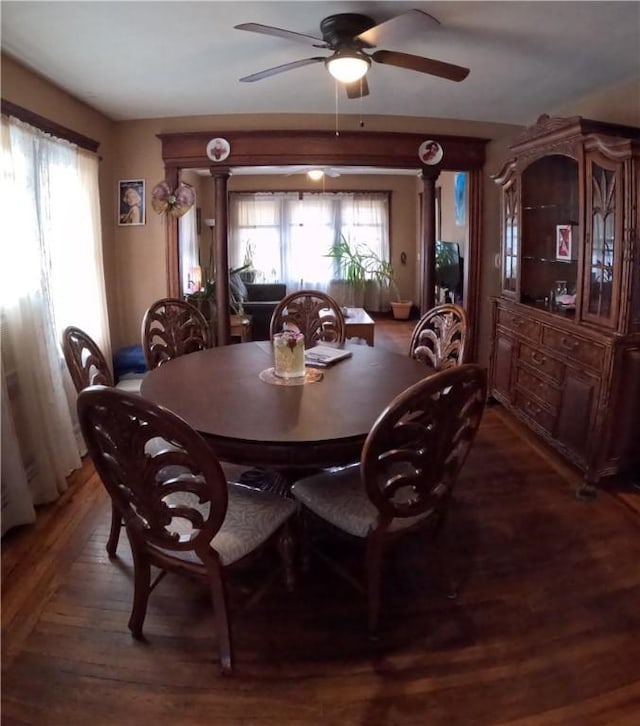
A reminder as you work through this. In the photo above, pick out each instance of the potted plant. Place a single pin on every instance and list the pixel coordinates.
(248, 273)
(205, 298)
(348, 289)
(360, 263)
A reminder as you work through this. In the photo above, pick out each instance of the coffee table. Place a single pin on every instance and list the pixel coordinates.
(241, 327)
(360, 325)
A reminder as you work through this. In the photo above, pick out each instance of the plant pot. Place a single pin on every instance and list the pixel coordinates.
(401, 309)
(248, 276)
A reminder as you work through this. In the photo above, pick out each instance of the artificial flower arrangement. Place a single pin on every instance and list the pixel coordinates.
(172, 203)
(291, 338)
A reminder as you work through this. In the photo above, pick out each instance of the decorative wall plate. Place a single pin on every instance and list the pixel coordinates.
(430, 152)
(218, 149)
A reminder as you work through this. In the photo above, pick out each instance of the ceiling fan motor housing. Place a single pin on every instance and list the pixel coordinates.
(340, 31)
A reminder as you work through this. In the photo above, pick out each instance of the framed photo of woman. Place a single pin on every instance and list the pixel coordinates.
(131, 206)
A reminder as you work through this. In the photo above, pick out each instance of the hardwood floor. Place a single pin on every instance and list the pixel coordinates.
(546, 629)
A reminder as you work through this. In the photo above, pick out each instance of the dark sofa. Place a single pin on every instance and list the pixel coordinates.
(260, 301)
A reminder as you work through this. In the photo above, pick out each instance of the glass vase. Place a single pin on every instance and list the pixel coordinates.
(288, 354)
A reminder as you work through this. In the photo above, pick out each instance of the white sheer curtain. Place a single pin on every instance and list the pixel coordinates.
(292, 232)
(307, 235)
(189, 263)
(365, 221)
(50, 276)
(258, 219)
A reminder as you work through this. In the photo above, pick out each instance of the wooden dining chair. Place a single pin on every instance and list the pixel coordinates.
(440, 337)
(314, 313)
(408, 468)
(180, 513)
(88, 367)
(87, 364)
(171, 328)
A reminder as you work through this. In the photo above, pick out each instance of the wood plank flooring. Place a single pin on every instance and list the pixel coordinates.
(546, 629)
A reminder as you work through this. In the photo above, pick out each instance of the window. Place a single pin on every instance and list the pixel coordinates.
(50, 277)
(292, 232)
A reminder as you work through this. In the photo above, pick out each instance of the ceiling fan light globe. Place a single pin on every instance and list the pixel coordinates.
(315, 174)
(348, 66)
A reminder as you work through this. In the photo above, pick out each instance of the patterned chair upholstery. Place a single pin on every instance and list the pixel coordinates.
(171, 328)
(440, 336)
(180, 513)
(409, 465)
(315, 314)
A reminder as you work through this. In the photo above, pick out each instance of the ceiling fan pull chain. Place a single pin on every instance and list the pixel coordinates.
(336, 89)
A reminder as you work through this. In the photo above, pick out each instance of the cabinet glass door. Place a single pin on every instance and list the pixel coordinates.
(602, 257)
(510, 238)
(550, 234)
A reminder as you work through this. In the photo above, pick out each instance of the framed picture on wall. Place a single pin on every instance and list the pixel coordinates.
(564, 240)
(131, 204)
(460, 198)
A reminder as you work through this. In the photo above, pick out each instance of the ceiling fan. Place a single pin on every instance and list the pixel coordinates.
(348, 35)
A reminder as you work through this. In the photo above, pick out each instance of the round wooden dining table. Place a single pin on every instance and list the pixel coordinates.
(247, 420)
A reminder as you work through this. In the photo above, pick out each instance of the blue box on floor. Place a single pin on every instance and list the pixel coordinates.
(128, 360)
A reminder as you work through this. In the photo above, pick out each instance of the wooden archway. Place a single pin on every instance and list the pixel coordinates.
(325, 148)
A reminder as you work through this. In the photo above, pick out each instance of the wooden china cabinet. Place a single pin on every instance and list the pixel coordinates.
(566, 326)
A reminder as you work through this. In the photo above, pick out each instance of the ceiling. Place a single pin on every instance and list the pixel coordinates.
(133, 60)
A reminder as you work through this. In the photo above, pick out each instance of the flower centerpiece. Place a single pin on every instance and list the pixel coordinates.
(288, 353)
(172, 202)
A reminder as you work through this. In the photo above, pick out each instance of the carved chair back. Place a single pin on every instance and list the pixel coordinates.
(169, 489)
(440, 337)
(314, 313)
(85, 361)
(408, 468)
(171, 328)
(180, 513)
(415, 450)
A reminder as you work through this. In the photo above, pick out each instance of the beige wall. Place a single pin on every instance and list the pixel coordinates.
(135, 261)
(140, 251)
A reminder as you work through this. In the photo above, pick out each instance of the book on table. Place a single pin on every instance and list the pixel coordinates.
(325, 355)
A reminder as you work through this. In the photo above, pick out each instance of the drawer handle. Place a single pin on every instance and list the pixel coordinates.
(537, 358)
(532, 408)
(517, 322)
(569, 344)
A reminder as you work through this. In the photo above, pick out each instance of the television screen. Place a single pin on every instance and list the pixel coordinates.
(449, 266)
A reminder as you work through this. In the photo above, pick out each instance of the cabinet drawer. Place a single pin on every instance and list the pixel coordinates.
(577, 349)
(543, 362)
(530, 383)
(519, 324)
(535, 411)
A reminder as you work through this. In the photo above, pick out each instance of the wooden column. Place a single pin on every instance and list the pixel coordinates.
(221, 234)
(428, 242)
(172, 245)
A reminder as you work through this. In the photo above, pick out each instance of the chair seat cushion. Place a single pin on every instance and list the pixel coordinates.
(338, 496)
(130, 382)
(252, 517)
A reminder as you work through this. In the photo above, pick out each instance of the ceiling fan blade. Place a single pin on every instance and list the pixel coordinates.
(357, 89)
(420, 64)
(398, 28)
(280, 69)
(282, 33)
